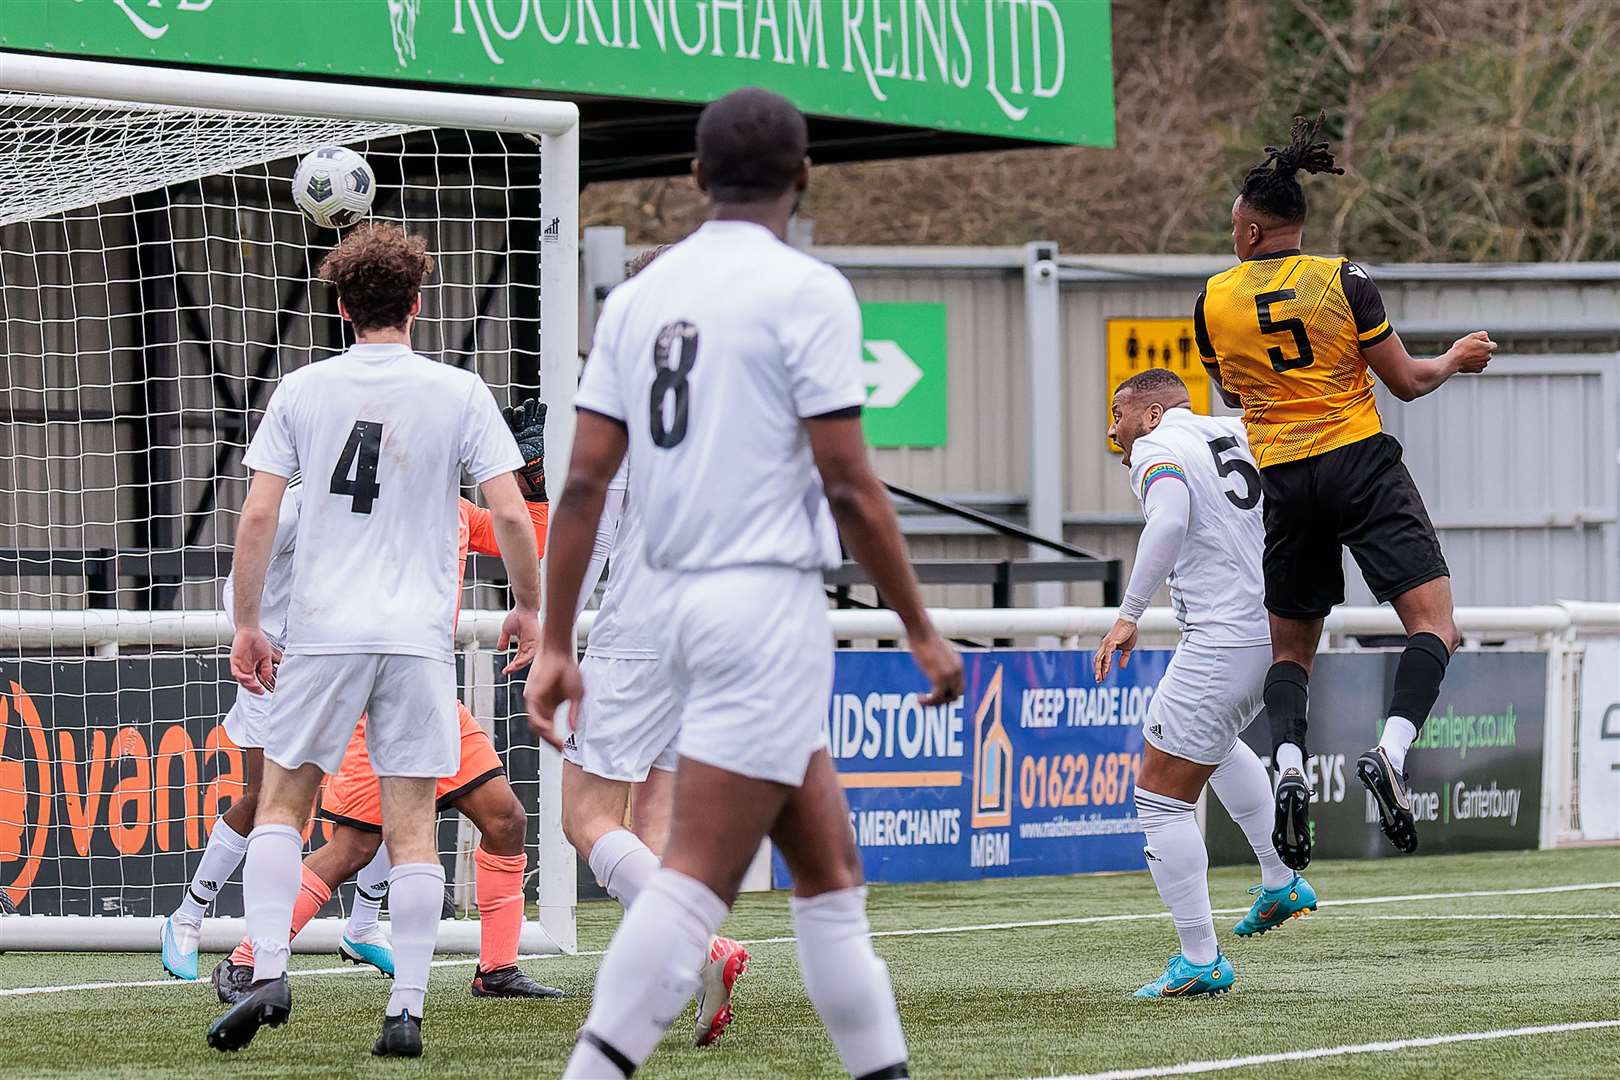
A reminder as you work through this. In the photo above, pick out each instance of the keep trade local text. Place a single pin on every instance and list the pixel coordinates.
(1076, 706)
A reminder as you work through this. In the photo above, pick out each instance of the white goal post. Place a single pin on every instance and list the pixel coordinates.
(154, 286)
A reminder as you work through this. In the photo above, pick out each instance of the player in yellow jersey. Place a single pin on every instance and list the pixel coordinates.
(1295, 340)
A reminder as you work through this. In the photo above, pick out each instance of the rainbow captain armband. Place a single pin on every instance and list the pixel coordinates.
(1159, 471)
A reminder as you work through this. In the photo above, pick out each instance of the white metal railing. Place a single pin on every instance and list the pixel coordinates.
(100, 629)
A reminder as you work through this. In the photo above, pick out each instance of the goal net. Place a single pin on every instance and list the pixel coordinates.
(155, 285)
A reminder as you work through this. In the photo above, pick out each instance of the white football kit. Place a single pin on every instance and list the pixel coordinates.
(629, 721)
(245, 722)
(1200, 491)
(381, 436)
(712, 357)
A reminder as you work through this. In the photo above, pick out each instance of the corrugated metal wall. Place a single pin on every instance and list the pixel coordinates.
(1518, 466)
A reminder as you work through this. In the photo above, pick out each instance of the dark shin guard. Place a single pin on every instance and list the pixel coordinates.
(1286, 700)
(1417, 678)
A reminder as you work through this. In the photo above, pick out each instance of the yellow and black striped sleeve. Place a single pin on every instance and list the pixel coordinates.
(1372, 324)
(1206, 349)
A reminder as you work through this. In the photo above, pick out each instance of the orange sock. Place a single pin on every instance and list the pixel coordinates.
(313, 893)
(500, 907)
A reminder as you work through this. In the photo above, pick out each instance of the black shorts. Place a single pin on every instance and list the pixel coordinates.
(1358, 496)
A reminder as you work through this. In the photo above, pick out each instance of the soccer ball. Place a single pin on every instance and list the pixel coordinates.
(334, 187)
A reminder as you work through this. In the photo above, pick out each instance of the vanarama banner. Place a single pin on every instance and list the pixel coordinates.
(1032, 771)
(112, 771)
(1025, 69)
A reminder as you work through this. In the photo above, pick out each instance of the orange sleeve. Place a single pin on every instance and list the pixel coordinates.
(540, 517)
(481, 527)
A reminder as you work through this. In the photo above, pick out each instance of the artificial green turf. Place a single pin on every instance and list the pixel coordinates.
(1012, 1002)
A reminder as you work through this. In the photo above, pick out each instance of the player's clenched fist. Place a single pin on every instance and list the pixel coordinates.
(553, 679)
(1473, 353)
(942, 664)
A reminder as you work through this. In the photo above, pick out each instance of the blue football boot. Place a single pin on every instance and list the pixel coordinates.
(1184, 979)
(179, 940)
(373, 948)
(1273, 907)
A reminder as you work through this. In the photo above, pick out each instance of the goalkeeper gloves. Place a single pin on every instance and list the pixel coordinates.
(528, 424)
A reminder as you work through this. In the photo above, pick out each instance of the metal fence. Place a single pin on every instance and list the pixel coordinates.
(1518, 465)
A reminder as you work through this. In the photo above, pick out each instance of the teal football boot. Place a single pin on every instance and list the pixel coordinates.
(374, 949)
(179, 941)
(1273, 907)
(1184, 979)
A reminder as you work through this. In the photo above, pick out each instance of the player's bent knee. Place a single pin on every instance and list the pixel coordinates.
(584, 827)
(839, 870)
(503, 832)
(356, 845)
(242, 813)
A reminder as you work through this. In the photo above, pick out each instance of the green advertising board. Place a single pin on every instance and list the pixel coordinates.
(1024, 69)
(904, 348)
(1475, 770)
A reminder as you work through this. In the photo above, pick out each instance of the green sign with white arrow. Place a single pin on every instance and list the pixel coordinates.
(905, 353)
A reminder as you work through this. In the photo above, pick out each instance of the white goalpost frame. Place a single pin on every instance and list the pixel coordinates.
(556, 124)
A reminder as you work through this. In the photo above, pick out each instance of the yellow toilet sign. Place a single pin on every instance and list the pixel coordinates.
(1138, 344)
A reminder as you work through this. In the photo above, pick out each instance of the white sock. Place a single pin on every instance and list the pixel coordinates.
(1243, 787)
(271, 875)
(224, 853)
(1180, 866)
(1399, 733)
(370, 890)
(649, 973)
(846, 981)
(416, 899)
(623, 864)
(1290, 756)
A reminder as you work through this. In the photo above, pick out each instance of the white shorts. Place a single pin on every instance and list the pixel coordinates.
(246, 723)
(629, 721)
(409, 703)
(1209, 695)
(750, 653)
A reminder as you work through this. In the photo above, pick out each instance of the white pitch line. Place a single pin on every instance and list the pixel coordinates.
(1190, 1068)
(1538, 891)
(347, 969)
(1030, 924)
(1546, 916)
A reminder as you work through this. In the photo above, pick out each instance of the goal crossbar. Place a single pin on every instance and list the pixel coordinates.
(293, 97)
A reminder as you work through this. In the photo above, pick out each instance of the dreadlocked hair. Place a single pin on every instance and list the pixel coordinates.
(1272, 188)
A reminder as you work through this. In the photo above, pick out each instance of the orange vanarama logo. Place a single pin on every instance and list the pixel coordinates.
(104, 789)
(24, 828)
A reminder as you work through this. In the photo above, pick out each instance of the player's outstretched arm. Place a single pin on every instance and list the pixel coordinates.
(599, 447)
(1409, 378)
(1168, 507)
(252, 658)
(872, 533)
(514, 536)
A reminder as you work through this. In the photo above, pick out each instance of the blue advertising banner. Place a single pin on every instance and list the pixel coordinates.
(1030, 772)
